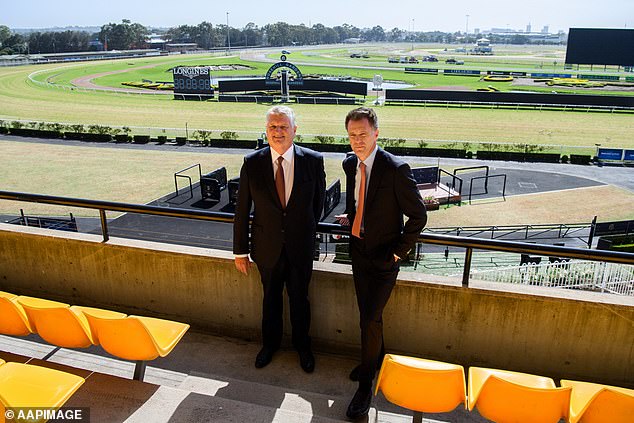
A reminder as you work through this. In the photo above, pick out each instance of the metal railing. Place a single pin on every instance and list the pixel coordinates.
(469, 244)
(592, 275)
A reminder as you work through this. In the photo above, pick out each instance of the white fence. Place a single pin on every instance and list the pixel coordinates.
(575, 274)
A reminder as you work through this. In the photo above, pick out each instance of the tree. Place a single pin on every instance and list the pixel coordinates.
(123, 36)
(395, 35)
(375, 34)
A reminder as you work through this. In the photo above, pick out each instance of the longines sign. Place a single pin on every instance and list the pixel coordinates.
(190, 72)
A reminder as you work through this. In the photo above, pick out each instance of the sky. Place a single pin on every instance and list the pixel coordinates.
(419, 15)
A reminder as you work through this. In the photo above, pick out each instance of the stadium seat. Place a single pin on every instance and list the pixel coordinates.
(504, 396)
(25, 385)
(594, 403)
(422, 385)
(134, 338)
(13, 319)
(57, 323)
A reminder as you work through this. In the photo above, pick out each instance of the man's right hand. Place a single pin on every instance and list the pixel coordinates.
(243, 264)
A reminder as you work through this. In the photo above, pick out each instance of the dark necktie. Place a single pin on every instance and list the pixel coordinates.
(279, 182)
(358, 217)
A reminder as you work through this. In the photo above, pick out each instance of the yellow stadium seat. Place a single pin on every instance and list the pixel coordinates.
(25, 385)
(134, 338)
(504, 396)
(594, 403)
(57, 323)
(13, 319)
(422, 385)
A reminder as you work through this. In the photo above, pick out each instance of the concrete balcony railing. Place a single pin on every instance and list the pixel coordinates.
(560, 333)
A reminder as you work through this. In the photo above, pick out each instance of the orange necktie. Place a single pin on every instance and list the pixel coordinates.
(279, 182)
(358, 217)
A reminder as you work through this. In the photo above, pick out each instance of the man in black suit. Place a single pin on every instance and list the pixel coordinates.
(380, 189)
(285, 184)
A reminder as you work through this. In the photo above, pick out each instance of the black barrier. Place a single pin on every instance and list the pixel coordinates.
(421, 70)
(212, 184)
(622, 227)
(237, 85)
(329, 85)
(327, 100)
(232, 187)
(425, 175)
(333, 196)
(325, 85)
(513, 98)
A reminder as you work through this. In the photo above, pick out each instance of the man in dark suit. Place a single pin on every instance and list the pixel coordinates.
(380, 189)
(285, 184)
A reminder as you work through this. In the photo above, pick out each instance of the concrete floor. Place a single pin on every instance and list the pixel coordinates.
(209, 378)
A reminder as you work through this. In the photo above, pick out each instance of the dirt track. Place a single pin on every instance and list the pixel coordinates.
(86, 81)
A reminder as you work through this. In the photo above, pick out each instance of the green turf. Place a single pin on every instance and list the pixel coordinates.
(21, 99)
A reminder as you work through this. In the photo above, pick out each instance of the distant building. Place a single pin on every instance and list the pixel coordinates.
(156, 41)
(182, 47)
(483, 46)
(352, 40)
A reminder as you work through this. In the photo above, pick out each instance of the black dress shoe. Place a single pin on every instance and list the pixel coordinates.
(360, 404)
(307, 360)
(264, 357)
(354, 374)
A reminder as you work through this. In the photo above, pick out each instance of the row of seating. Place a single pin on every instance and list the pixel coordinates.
(427, 386)
(26, 385)
(134, 338)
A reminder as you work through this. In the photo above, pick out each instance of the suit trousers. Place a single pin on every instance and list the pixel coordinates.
(296, 277)
(374, 274)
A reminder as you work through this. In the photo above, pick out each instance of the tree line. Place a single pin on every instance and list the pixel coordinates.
(128, 35)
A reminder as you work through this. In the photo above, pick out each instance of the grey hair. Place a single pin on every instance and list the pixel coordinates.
(282, 110)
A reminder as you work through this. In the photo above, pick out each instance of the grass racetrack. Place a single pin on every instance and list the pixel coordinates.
(140, 176)
(21, 99)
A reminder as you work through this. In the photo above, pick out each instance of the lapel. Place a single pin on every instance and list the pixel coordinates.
(375, 177)
(350, 168)
(266, 164)
(299, 173)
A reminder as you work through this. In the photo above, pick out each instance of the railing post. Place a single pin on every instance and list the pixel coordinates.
(467, 267)
(139, 370)
(104, 225)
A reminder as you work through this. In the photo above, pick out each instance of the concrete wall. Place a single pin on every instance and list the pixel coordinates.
(558, 333)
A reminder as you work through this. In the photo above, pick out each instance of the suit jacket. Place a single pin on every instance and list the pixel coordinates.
(391, 193)
(272, 227)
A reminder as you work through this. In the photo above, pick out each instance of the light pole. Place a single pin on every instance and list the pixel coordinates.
(413, 20)
(228, 35)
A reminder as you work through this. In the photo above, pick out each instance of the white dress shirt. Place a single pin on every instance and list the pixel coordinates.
(289, 169)
(369, 162)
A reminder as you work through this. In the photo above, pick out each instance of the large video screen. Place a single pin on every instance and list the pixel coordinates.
(592, 46)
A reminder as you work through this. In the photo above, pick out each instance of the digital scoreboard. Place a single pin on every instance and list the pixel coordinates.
(192, 83)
